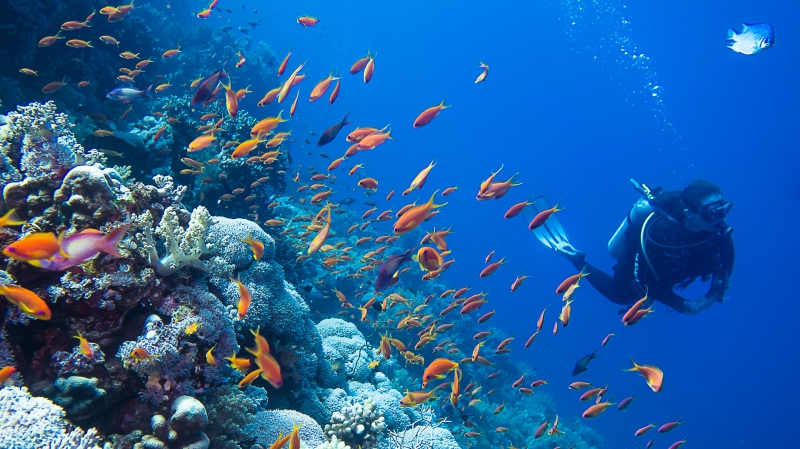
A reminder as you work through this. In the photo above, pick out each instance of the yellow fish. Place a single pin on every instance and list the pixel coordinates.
(10, 219)
(28, 302)
(140, 354)
(85, 349)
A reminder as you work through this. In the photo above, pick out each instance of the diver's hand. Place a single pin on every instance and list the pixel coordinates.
(691, 307)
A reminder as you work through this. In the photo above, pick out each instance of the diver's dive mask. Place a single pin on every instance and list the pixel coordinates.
(716, 211)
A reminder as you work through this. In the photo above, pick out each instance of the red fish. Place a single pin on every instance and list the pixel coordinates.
(83, 246)
(651, 373)
(307, 21)
(491, 268)
(542, 216)
(429, 114)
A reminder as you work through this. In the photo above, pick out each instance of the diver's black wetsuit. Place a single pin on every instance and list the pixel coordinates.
(676, 258)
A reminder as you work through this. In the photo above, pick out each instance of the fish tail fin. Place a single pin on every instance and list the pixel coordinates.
(732, 34)
(11, 219)
(109, 243)
(344, 120)
(444, 106)
(226, 86)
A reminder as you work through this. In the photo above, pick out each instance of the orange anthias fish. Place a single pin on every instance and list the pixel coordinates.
(514, 210)
(244, 298)
(201, 143)
(256, 246)
(429, 114)
(429, 259)
(488, 181)
(231, 100)
(631, 315)
(268, 124)
(140, 354)
(319, 240)
(518, 282)
(293, 109)
(482, 77)
(596, 409)
(286, 87)
(438, 369)
(244, 148)
(10, 219)
(85, 348)
(78, 248)
(282, 67)
(5, 374)
(491, 268)
(271, 370)
(250, 377)
(172, 52)
(369, 69)
(568, 282)
(40, 245)
(335, 93)
(419, 180)
(321, 88)
(497, 190)
(50, 40)
(456, 387)
(269, 97)
(360, 64)
(294, 437)
(50, 88)
(307, 21)
(240, 364)
(653, 375)
(413, 399)
(384, 348)
(542, 216)
(28, 302)
(415, 216)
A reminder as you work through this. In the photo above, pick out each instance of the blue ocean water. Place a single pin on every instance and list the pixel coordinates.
(564, 106)
(581, 96)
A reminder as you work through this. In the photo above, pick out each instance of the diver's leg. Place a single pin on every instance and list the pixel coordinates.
(605, 284)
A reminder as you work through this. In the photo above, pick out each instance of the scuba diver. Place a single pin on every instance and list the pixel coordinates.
(667, 241)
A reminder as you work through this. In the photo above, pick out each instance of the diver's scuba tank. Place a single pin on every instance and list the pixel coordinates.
(639, 212)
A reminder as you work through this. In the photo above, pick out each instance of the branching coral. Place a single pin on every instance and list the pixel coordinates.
(424, 433)
(183, 246)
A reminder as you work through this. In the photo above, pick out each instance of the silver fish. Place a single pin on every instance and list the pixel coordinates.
(127, 94)
(753, 39)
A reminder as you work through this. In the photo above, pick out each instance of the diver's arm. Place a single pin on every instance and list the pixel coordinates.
(720, 279)
(638, 214)
(672, 300)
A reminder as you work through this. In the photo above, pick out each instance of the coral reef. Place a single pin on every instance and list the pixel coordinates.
(27, 421)
(271, 423)
(358, 425)
(425, 433)
(183, 429)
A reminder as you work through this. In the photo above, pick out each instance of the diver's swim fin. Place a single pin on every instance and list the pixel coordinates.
(551, 233)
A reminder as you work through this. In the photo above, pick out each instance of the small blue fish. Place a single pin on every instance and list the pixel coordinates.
(753, 39)
(127, 94)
